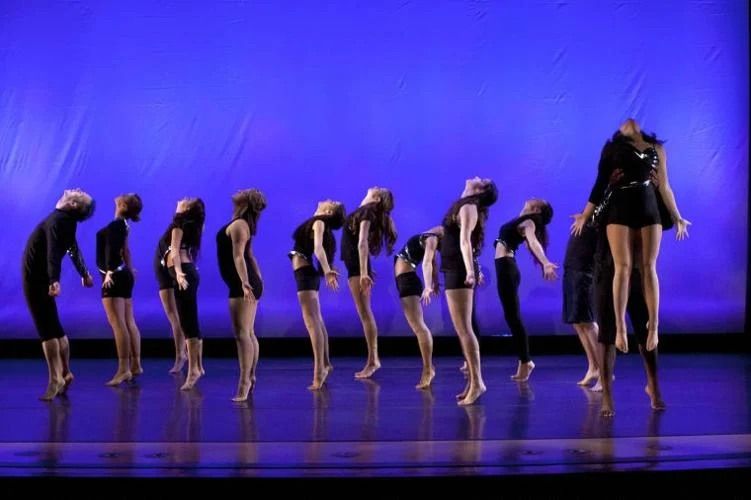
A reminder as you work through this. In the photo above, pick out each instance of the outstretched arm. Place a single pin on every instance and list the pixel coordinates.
(663, 184)
(548, 268)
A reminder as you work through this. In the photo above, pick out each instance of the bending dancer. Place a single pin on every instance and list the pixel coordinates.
(530, 227)
(578, 310)
(239, 270)
(366, 231)
(630, 210)
(464, 233)
(42, 259)
(420, 249)
(182, 242)
(167, 297)
(116, 269)
(315, 237)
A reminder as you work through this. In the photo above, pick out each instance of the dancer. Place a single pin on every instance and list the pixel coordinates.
(366, 231)
(182, 242)
(578, 269)
(630, 210)
(167, 297)
(315, 237)
(239, 270)
(530, 227)
(42, 259)
(463, 237)
(116, 269)
(420, 249)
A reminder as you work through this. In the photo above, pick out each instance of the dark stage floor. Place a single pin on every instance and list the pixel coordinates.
(382, 427)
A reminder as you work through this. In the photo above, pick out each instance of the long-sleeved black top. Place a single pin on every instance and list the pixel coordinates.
(50, 240)
(110, 246)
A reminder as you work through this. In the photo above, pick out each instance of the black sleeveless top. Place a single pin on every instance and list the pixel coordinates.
(621, 154)
(351, 236)
(509, 234)
(304, 244)
(226, 258)
(414, 250)
(110, 246)
(451, 252)
(189, 241)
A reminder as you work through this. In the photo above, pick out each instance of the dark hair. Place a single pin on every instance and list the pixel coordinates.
(336, 220)
(134, 205)
(86, 211)
(248, 205)
(650, 138)
(541, 221)
(382, 229)
(191, 222)
(305, 231)
(483, 201)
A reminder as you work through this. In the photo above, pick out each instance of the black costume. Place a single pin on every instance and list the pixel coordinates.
(42, 258)
(578, 269)
(452, 263)
(408, 284)
(350, 239)
(308, 277)
(111, 249)
(227, 269)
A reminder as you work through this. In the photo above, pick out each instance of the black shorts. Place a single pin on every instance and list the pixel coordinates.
(409, 285)
(236, 287)
(163, 277)
(635, 207)
(43, 309)
(353, 269)
(122, 287)
(454, 280)
(307, 278)
(577, 297)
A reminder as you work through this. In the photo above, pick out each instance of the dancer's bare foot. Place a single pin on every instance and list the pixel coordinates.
(329, 367)
(655, 399)
(652, 339)
(190, 380)
(179, 363)
(523, 371)
(464, 368)
(369, 370)
(316, 385)
(136, 369)
(621, 341)
(119, 378)
(589, 377)
(598, 386)
(473, 395)
(464, 392)
(426, 379)
(607, 410)
(67, 381)
(252, 382)
(53, 389)
(243, 390)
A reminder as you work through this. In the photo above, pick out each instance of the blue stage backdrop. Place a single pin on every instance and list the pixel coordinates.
(308, 100)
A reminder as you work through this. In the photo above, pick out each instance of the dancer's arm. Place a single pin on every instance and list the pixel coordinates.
(239, 234)
(114, 250)
(428, 269)
(663, 184)
(548, 268)
(331, 276)
(363, 248)
(596, 195)
(177, 239)
(467, 223)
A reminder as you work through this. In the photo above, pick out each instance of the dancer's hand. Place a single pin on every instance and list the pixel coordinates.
(681, 229)
(332, 279)
(548, 271)
(108, 282)
(87, 281)
(54, 290)
(578, 224)
(427, 295)
(182, 282)
(366, 283)
(248, 293)
(470, 280)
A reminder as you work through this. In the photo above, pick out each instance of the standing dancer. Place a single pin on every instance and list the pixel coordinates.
(631, 212)
(366, 231)
(116, 269)
(530, 227)
(182, 242)
(239, 270)
(42, 259)
(315, 237)
(419, 249)
(464, 234)
(167, 297)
